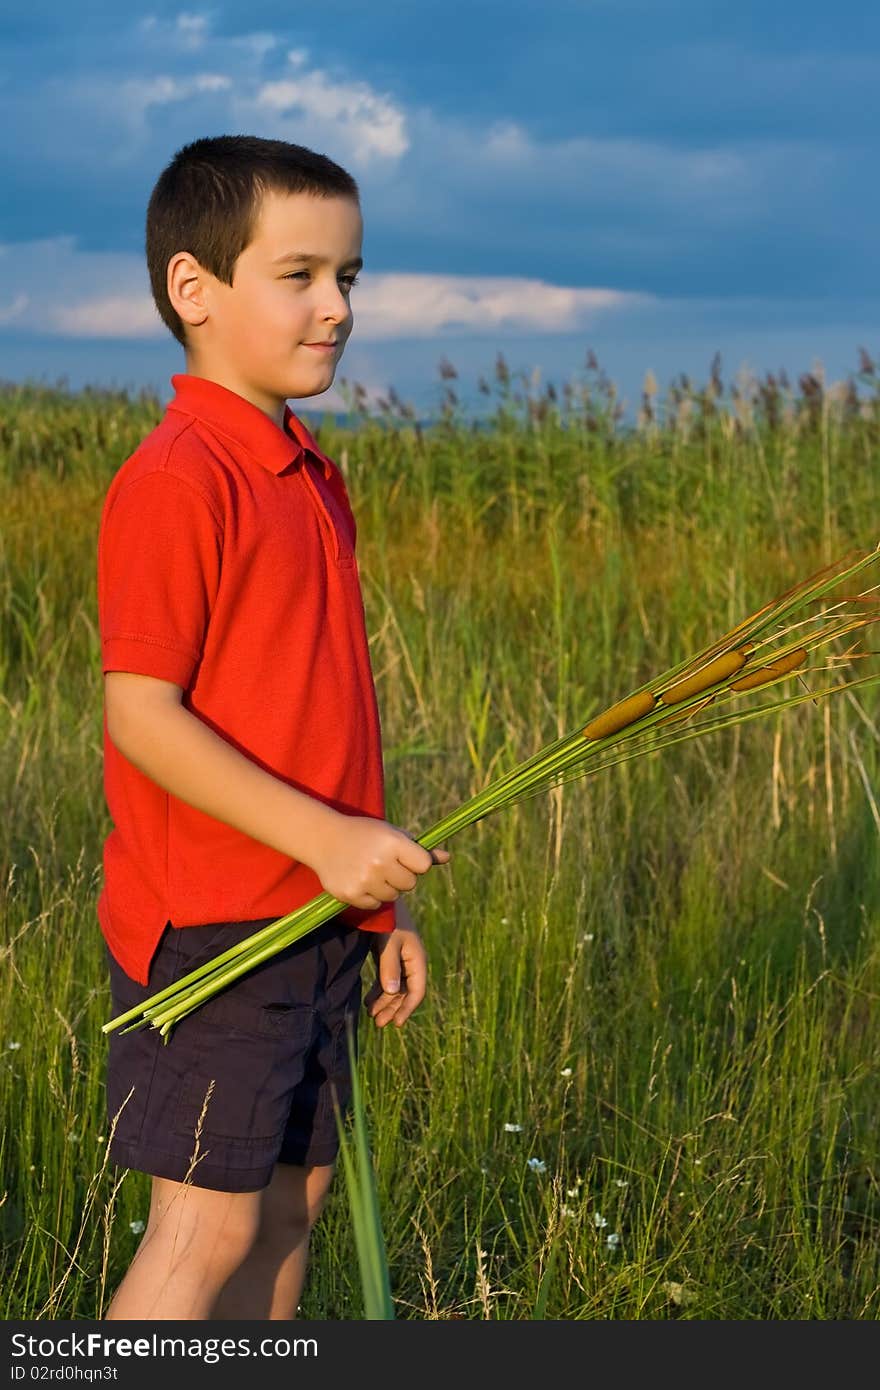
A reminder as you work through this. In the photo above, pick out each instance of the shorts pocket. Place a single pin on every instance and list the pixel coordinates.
(242, 1015)
(254, 1053)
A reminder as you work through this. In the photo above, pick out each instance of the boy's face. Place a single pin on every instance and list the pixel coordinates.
(253, 336)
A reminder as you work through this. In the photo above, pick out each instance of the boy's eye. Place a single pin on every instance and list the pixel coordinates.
(352, 279)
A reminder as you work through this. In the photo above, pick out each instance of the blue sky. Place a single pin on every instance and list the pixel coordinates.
(654, 180)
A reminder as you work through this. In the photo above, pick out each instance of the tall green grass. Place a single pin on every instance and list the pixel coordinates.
(659, 986)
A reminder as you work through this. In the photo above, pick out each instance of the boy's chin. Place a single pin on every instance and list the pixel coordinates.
(303, 391)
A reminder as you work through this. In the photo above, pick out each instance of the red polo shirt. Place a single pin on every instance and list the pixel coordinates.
(226, 564)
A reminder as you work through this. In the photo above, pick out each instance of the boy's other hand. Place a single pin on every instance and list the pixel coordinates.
(366, 862)
(401, 972)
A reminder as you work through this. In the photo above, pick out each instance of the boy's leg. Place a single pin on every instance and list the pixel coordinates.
(268, 1283)
(195, 1238)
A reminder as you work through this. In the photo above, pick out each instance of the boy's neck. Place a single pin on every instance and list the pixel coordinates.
(269, 405)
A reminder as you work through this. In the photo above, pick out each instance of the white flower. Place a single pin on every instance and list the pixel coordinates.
(537, 1165)
(599, 1221)
(612, 1240)
(566, 1071)
(136, 1226)
(512, 1129)
(621, 1182)
(566, 1211)
(572, 1192)
(504, 921)
(588, 937)
(13, 1047)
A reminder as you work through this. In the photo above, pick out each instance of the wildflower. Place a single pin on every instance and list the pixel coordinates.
(513, 1129)
(13, 1047)
(621, 1182)
(679, 1294)
(537, 1165)
(504, 921)
(588, 937)
(572, 1192)
(599, 1221)
(612, 1240)
(566, 1211)
(137, 1227)
(566, 1071)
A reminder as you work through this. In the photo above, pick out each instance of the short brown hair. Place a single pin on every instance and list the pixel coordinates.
(207, 201)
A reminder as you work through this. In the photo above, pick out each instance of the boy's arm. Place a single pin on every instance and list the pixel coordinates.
(360, 860)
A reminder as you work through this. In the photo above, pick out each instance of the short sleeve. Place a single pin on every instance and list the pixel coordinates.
(160, 550)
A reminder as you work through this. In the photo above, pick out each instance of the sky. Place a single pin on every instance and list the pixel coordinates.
(653, 181)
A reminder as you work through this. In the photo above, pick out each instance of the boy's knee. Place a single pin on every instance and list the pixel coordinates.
(236, 1235)
(220, 1227)
(293, 1202)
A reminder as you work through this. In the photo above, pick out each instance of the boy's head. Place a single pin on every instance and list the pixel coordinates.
(221, 219)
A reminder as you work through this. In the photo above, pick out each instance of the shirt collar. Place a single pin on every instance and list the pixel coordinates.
(248, 426)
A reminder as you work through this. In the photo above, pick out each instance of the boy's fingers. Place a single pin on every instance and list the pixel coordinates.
(416, 984)
(410, 1002)
(402, 878)
(387, 1008)
(419, 860)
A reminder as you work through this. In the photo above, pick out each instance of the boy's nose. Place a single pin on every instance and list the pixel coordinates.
(338, 305)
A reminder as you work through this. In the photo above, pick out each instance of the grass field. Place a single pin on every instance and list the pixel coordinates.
(645, 1082)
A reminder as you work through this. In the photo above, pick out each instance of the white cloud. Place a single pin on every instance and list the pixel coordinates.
(110, 316)
(139, 95)
(10, 312)
(257, 45)
(597, 171)
(313, 108)
(74, 293)
(86, 294)
(192, 29)
(306, 105)
(404, 304)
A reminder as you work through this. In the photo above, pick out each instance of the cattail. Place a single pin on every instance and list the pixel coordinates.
(770, 672)
(618, 716)
(716, 671)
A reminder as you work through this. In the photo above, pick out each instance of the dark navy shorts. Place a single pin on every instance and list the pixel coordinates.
(273, 1044)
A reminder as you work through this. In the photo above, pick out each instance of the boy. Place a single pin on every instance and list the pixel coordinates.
(242, 757)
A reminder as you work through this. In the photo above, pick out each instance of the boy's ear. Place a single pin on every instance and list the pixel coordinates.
(186, 285)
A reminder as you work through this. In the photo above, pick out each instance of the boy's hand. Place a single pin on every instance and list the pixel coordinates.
(401, 972)
(366, 862)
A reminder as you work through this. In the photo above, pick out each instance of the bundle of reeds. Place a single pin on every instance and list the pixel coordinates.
(765, 648)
